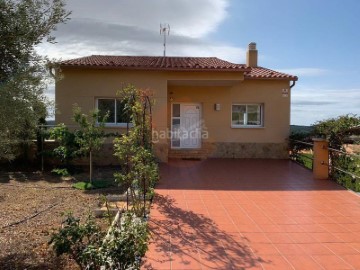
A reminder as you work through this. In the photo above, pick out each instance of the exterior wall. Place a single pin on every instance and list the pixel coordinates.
(83, 86)
(268, 141)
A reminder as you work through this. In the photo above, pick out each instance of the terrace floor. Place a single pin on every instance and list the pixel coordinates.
(251, 214)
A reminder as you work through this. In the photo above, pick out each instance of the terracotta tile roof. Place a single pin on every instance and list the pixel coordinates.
(153, 63)
(265, 73)
(173, 64)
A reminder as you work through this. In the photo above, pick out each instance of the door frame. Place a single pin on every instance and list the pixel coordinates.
(171, 124)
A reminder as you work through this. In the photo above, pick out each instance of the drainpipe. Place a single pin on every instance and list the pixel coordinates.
(293, 84)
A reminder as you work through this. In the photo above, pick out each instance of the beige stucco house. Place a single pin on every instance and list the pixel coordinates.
(204, 106)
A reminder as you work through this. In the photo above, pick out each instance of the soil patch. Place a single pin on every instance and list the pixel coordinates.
(42, 197)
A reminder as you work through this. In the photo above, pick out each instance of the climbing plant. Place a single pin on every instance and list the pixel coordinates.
(139, 170)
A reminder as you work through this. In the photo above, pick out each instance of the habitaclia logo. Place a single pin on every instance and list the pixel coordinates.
(181, 132)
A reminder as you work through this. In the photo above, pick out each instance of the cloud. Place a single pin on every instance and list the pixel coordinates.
(186, 17)
(314, 104)
(131, 27)
(305, 72)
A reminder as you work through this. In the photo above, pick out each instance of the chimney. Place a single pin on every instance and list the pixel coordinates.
(252, 55)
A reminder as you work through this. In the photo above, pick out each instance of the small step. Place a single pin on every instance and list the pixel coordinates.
(188, 154)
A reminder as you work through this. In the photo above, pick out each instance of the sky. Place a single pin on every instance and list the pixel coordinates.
(316, 40)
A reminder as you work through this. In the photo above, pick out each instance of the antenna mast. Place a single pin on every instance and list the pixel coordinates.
(164, 31)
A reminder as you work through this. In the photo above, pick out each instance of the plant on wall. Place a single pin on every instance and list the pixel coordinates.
(139, 170)
(90, 135)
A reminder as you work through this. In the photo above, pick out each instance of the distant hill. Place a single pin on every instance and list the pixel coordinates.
(301, 129)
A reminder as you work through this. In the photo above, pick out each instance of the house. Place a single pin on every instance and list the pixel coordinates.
(204, 106)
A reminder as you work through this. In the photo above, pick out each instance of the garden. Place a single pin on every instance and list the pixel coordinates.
(48, 219)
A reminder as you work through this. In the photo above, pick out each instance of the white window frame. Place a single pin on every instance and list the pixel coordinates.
(261, 105)
(124, 125)
(172, 118)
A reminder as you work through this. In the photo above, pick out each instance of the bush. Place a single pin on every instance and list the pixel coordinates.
(86, 244)
(337, 130)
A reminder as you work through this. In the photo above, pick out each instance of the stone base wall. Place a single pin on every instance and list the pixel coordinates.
(248, 150)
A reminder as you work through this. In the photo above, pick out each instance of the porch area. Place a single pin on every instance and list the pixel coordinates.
(251, 214)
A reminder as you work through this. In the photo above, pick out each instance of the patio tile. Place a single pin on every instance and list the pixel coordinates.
(276, 262)
(279, 238)
(289, 249)
(302, 238)
(250, 237)
(264, 249)
(348, 237)
(185, 260)
(331, 262)
(353, 260)
(303, 262)
(251, 214)
(341, 248)
(315, 249)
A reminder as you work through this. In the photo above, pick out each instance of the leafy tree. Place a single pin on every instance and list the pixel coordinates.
(24, 25)
(90, 135)
(68, 148)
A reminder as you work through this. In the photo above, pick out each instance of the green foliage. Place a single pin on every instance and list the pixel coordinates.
(86, 244)
(61, 172)
(139, 170)
(95, 184)
(90, 135)
(68, 148)
(24, 24)
(298, 150)
(349, 164)
(305, 159)
(336, 130)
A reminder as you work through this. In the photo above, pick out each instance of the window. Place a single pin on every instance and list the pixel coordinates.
(115, 109)
(246, 115)
(175, 132)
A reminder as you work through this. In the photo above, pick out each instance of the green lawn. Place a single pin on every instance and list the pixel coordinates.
(304, 158)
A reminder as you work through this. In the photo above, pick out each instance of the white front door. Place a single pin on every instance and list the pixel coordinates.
(186, 128)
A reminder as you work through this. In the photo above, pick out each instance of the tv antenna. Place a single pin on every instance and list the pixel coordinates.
(164, 31)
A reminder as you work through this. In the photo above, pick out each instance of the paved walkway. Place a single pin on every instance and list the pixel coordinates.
(251, 214)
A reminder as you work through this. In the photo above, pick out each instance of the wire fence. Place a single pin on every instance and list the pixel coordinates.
(344, 167)
(301, 153)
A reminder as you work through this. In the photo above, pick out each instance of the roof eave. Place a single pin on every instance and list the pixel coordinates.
(152, 69)
(274, 78)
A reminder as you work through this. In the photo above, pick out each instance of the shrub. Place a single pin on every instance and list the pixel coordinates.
(122, 248)
(345, 169)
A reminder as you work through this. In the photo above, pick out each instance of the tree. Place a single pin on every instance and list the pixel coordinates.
(90, 135)
(24, 25)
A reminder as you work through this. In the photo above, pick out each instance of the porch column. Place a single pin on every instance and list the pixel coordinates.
(321, 159)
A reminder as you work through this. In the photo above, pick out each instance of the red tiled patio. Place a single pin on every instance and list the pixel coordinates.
(251, 214)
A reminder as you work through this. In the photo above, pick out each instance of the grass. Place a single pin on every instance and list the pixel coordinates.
(305, 159)
(96, 184)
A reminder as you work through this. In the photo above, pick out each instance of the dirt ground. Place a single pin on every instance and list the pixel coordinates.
(25, 245)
